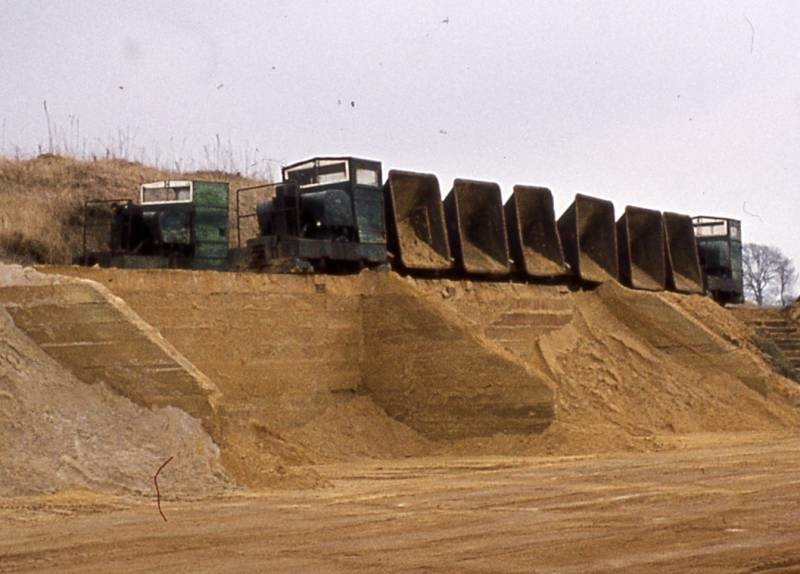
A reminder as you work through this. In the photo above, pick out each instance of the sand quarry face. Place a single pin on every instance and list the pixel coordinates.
(252, 380)
(59, 430)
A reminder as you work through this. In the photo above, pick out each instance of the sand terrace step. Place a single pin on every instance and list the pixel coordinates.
(526, 318)
(771, 322)
(788, 331)
(102, 341)
(517, 329)
(787, 328)
(787, 344)
(775, 326)
(785, 335)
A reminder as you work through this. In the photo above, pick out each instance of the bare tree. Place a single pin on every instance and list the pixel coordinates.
(767, 273)
(786, 280)
(759, 270)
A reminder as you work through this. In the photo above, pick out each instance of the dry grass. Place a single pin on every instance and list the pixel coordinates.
(41, 218)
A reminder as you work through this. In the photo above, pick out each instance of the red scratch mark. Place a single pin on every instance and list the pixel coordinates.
(158, 493)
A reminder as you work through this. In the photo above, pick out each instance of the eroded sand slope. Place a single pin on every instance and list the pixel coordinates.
(57, 430)
(299, 370)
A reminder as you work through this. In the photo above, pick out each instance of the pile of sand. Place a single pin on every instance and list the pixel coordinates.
(479, 261)
(417, 252)
(634, 365)
(630, 369)
(285, 353)
(261, 454)
(540, 263)
(57, 432)
(356, 429)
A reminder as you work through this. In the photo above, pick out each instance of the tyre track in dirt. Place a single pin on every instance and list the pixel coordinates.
(713, 507)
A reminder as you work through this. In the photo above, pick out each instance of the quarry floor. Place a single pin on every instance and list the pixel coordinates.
(718, 503)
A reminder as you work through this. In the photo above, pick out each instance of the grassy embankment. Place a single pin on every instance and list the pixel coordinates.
(41, 217)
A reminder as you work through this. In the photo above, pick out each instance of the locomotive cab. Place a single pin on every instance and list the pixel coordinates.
(719, 244)
(327, 211)
(176, 223)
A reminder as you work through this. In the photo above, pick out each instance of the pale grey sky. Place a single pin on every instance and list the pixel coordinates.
(684, 106)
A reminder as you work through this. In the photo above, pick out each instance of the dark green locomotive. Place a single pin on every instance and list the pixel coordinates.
(327, 213)
(719, 243)
(179, 224)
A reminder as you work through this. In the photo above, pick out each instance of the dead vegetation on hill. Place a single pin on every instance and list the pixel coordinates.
(42, 216)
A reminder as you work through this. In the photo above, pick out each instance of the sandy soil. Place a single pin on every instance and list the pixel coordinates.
(537, 263)
(710, 508)
(57, 429)
(378, 366)
(478, 261)
(416, 252)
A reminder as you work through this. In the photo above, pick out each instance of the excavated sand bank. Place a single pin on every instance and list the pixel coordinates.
(57, 431)
(629, 367)
(321, 368)
(298, 370)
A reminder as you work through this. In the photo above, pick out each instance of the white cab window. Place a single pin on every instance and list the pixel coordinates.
(318, 173)
(708, 227)
(166, 192)
(366, 176)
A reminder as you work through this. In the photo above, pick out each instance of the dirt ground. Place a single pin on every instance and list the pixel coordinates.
(726, 503)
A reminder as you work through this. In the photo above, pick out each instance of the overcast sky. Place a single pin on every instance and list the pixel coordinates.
(684, 106)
